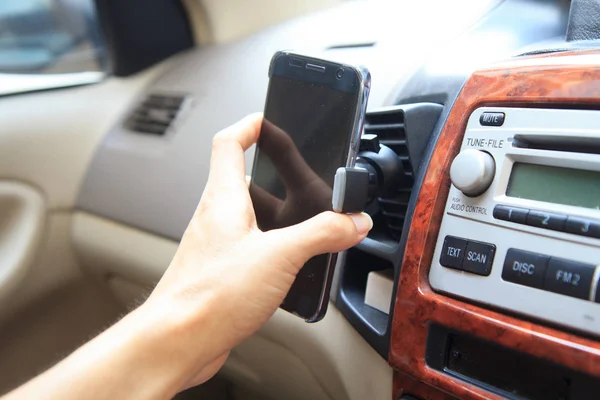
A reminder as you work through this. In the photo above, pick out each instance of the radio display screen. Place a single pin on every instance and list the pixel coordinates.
(568, 186)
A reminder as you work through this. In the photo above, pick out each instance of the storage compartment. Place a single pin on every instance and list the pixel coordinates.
(354, 274)
(505, 371)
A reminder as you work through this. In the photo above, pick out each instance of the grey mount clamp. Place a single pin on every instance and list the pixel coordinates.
(350, 190)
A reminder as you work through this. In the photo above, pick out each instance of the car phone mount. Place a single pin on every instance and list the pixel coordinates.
(377, 171)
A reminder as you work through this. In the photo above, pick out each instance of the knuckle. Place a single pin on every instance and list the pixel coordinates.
(219, 139)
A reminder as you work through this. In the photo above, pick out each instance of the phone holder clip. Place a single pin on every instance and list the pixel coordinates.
(378, 171)
(350, 190)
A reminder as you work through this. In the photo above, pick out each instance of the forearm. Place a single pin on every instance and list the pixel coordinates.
(140, 357)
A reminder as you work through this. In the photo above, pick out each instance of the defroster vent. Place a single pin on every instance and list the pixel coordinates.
(406, 129)
(156, 113)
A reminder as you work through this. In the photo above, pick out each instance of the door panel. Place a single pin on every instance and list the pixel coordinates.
(49, 305)
(21, 226)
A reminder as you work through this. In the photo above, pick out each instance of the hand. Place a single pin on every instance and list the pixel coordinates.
(227, 277)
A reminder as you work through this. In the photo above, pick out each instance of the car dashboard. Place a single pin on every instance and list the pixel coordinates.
(457, 319)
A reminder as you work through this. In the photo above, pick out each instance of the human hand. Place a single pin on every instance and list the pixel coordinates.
(227, 277)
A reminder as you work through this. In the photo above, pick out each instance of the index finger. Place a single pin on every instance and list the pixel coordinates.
(227, 163)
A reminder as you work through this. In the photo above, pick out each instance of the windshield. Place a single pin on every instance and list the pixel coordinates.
(44, 42)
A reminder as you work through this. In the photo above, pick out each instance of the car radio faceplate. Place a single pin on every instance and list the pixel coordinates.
(521, 228)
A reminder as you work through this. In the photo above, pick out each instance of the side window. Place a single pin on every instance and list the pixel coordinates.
(48, 44)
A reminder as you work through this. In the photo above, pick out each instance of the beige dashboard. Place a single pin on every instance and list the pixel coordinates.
(50, 141)
(50, 154)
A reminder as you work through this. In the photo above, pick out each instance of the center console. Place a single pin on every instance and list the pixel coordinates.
(498, 289)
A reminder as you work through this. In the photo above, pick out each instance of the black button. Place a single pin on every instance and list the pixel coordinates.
(478, 258)
(512, 214)
(546, 220)
(502, 212)
(453, 252)
(597, 299)
(525, 268)
(569, 278)
(519, 215)
(583, 227)
(491, 119)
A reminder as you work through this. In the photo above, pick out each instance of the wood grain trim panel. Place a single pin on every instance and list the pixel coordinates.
(563, 80)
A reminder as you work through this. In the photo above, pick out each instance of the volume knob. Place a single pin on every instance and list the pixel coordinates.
(472, 172)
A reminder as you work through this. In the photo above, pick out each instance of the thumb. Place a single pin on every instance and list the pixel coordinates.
(327, 232)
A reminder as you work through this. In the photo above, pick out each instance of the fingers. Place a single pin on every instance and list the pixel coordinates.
(327, 232)
(245, 131)
(227, 164)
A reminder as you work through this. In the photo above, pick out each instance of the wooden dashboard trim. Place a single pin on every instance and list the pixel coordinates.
(562, 80)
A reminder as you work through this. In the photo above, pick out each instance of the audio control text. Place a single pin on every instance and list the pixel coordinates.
(457, 206)
(485, 143)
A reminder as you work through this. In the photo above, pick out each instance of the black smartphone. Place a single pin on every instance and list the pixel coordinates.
(313, 120)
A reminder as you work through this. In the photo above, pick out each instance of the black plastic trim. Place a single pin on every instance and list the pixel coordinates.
(140, 34)
(506, 372)
(372, 324)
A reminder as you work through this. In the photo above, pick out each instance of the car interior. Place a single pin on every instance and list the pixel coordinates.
(480, 277)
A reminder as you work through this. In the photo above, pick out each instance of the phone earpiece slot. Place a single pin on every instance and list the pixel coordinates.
(315, 67)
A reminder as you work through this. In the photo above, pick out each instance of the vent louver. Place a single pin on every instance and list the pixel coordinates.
(390, 129)
(155, 114)
(406, 130)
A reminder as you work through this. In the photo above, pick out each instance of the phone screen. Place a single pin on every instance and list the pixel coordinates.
(305, 138)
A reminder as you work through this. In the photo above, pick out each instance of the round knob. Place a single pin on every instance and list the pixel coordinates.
(472, 172)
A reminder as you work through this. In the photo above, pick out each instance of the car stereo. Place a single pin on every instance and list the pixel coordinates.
(521, 227)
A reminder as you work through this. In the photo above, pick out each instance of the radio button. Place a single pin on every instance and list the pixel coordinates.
(472, 172)
(569, 278)
(525, 268)
(512, 214)
(453, 252)
(502, 212)
(583, 227)
(479, 258)
(491, 119)
(546, 220)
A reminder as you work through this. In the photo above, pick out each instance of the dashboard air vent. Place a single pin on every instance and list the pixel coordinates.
(405, 129)
(155, 114)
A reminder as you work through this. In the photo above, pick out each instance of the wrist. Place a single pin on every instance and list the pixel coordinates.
(183, 337)
(153, 350)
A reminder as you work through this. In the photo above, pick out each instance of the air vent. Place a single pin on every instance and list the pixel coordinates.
(155, 114)
(406, 130)
(389, 127)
